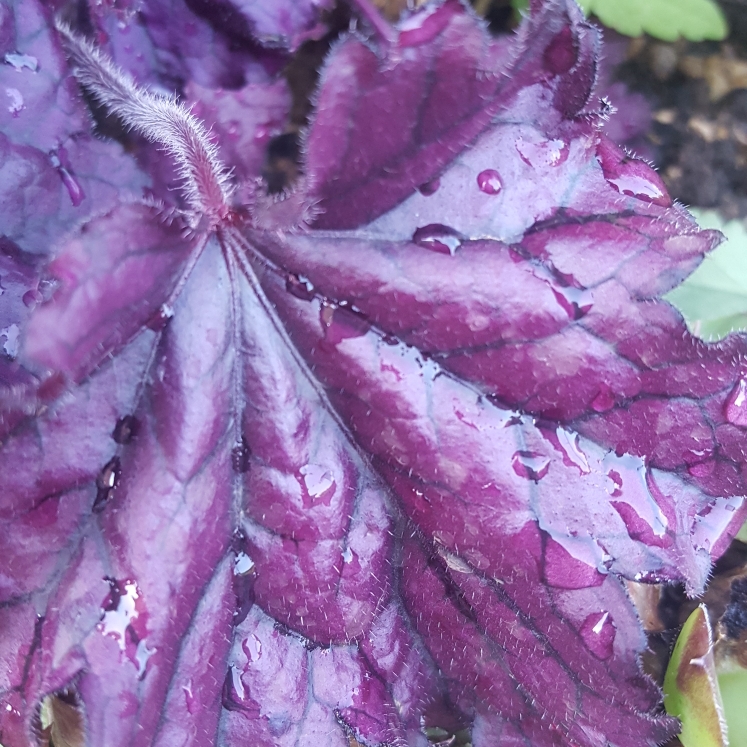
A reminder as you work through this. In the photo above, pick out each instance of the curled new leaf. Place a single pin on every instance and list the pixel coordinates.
(691, 691)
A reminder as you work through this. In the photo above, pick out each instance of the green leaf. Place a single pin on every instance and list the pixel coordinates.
(696, 20)
(733, 685)
(713, 299)
(691, 691)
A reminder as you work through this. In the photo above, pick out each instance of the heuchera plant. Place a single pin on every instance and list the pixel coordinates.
(374, 456)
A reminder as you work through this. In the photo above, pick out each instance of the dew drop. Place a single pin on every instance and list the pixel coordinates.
(241, 457)
(347, 555)
(544, 153)
(60, 162)
(489, 181)
(438, 238)
(73, 187)
(317, 479)
(233, 690)
(125, 429)
(529, 465)
(252, 648)
(161, 318)
(573, 299)
(22, 61)
(572, 453)
(15, 105)
(300, 287)
(604, 400)
(616, 482)
(32, 297)
(244, 574)
(631, 176)
(242, 564)
(429, 188)
(576, 302)
(12, 335)
(119, 610)
(598, 633)
(735, 407)
(340, 323)
(142, 654)
(106, 482)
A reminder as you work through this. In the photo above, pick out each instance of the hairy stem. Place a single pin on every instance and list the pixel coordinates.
(162, 120)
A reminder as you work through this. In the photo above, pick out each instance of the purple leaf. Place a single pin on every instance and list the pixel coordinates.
(370, 458)
(283, 23)
(50, 166)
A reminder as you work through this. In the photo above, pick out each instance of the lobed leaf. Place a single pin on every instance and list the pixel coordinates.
(695, 20)
(374, 458)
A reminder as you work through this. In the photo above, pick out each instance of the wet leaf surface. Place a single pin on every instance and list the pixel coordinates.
(374, 456)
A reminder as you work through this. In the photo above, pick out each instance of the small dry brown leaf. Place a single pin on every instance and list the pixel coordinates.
(62, 721)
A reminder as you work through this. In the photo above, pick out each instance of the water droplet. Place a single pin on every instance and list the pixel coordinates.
(544, 153)
(244, 575)
(300, 287)
(429, 188)
(12, 335)
(572, 453)
(142, 654)
(735, 407)
(241, 456)
(573, 299)
(233, 690)
(341, 323)
(22, 61)
(125, 429)
(598, 632)
(317, 479)
(161, 318)
(73, 187)
(119, 610)
(631, 484)
(631, 176)
(60, 162)
(16, 105)
(529, 465)
(615, 489)
(106, 482)
(604, 399)
(489, 181)
(243, 564)
(576, 302)
(438, 238)
(561, 53)
(32, 297)
(347, 555)
(252, 648)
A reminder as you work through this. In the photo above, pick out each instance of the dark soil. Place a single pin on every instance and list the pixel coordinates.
(699, 95)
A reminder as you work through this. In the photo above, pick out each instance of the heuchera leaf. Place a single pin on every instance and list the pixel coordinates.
(377, 456)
